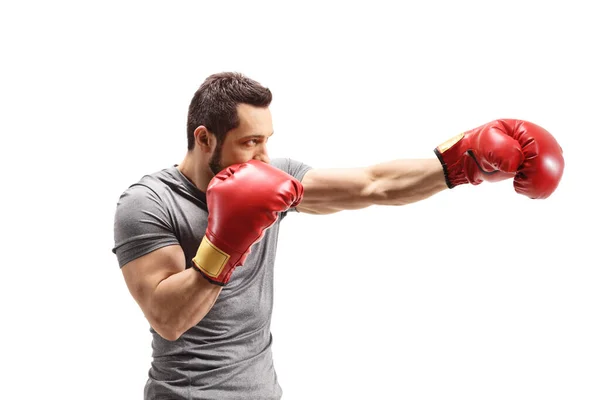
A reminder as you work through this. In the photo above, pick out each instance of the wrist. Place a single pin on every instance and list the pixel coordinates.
(451, 154)
(212, 262)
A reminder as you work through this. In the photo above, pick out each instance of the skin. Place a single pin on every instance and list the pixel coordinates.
(174, 299)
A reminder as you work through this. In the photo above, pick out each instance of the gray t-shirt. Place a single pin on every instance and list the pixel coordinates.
(227, 355)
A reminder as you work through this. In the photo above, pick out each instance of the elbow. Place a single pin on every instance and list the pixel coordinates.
(166, 323)
(171, 329)
(166, 331)
(167, 328)
(380, 192)
(170, 334)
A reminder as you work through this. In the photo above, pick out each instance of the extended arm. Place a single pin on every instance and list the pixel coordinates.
(396, 182)
(501, 149)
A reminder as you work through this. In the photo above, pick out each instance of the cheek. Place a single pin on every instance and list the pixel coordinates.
(236, 156)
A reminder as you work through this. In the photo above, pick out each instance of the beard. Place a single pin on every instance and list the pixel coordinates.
(215, 160)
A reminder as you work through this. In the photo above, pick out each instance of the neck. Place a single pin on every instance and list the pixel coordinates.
(195, 170)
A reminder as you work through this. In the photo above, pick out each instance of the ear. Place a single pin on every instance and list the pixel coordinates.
(205, 140)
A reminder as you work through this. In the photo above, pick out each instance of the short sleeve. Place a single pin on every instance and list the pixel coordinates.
(295, 168)
(141, 224)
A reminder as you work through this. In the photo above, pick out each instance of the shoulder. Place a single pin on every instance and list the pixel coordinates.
(142, 219)
(144, 199)
(295, 168)
(150, 186)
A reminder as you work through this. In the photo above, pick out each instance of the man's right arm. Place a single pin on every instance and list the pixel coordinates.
(172, 298)
(248, 196)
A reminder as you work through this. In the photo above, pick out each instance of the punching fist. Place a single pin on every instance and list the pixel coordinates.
(503, 149)
(243, 201)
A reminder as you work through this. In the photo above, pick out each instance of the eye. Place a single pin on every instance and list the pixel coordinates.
(251, 142)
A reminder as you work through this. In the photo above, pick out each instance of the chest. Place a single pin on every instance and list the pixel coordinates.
(189, 220)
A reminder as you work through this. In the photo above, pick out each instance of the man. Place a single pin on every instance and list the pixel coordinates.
(196, 242)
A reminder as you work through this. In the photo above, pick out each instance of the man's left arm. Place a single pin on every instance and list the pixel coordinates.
(498, 150)
(396, 182)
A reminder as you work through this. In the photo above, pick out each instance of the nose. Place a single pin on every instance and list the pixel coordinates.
(262, 155)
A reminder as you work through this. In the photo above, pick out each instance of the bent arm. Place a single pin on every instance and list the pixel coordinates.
(397, 182)
(172, 298)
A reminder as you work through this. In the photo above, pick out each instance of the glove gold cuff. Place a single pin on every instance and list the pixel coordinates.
(450, 142)
(210, 259)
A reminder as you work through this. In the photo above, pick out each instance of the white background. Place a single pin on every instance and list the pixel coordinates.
(475, 293)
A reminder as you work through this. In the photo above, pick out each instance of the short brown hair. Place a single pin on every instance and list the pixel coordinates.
(214, 104)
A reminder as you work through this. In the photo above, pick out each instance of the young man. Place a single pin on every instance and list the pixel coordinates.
(196, 242)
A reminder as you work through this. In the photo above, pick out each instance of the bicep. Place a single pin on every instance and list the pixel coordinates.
(145, 243)
(144, 274)
(330, 190)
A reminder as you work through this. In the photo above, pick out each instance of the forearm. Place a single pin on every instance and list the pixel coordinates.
(181, 301)
(401, 182)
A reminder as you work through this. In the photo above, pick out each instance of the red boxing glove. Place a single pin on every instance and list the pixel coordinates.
(502, 149)
(243, 201)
